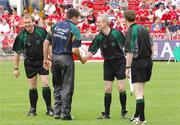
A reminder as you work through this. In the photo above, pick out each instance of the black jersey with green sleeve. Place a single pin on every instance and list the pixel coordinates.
(30, 44)
(138, 42)
(111, 45)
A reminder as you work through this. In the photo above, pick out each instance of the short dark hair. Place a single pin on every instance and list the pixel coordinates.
(72, 13)
(130, 15)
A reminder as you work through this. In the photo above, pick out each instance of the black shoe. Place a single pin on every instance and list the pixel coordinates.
(103, 116)
(32, 112)
(123, 114)
(50, 111)
(66, 117)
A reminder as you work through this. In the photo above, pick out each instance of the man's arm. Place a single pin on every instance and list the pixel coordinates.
(46, 49)
(16, 65)
(129, 57)
(46, 62)
(77, 53)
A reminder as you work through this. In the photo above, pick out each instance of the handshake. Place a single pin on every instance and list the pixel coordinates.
(83, 59)
(47, 62)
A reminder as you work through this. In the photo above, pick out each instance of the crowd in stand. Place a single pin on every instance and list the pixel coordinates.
(160, 17)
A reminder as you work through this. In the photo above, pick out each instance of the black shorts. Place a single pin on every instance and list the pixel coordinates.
(114, 68)
(34, 67)
(141, 74)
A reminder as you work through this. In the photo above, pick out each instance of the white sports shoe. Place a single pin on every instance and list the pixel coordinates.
(136, 121)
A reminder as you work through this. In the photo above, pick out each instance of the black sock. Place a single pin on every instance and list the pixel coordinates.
(107, 103)
(33, 97)
(140, 109)
(46, 92)
(122, 98)
(136, 114)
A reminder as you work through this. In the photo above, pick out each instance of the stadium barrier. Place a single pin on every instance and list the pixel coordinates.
(163, 47)
(163, 50)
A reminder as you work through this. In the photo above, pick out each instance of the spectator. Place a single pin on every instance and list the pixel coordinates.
(36, 16)
(68, 4)
(174, 28)
(42, 22)
(157, 26)
(166, 18)
(85, 9)
(118, 24)
(15, 18)
(123, 4)
(26, 4)
(85, 26)
(6, 5)
(49, 8)
(91, 17)
(106, 7)
(4, 27)
(6, 44)
(1, 10)
(151, 16)
(77, 4)
(114, 4)
(49, 24)
(35, 4)
(6, 16)
(159, 12)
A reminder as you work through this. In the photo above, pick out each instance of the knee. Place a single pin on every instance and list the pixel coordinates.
(121, 89)
(108, 90)
(45, 84)
(33, 85)
(139, 94)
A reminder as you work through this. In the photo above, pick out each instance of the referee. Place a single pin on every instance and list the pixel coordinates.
(30, 43)
(111, 43)
(138, 48)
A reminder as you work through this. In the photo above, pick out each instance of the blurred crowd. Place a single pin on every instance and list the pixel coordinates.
(160, 17)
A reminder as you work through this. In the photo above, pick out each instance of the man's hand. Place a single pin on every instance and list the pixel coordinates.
(47, 64)
(83, 60)
(16, 73)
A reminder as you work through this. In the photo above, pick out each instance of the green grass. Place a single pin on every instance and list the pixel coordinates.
(162, 96)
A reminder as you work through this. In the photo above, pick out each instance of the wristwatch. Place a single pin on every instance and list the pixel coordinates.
(16, 68)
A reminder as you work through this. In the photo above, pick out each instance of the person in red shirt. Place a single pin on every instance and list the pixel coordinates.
(6, 16)
(106, 7)
(166, 18)
(6, 44)
(85, 26)
(142, 14)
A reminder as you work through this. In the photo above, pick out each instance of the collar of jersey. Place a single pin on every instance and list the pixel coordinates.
(69, 21)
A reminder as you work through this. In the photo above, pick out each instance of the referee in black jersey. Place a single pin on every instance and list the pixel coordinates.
(138, 48)
(30, 43)
(110, 42)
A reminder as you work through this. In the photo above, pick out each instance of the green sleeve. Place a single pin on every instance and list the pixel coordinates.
(49, 37)
(131, 40)
(95, 45)
(18, 45)
(119, 36)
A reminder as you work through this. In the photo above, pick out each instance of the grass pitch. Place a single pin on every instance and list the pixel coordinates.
(162, 97)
